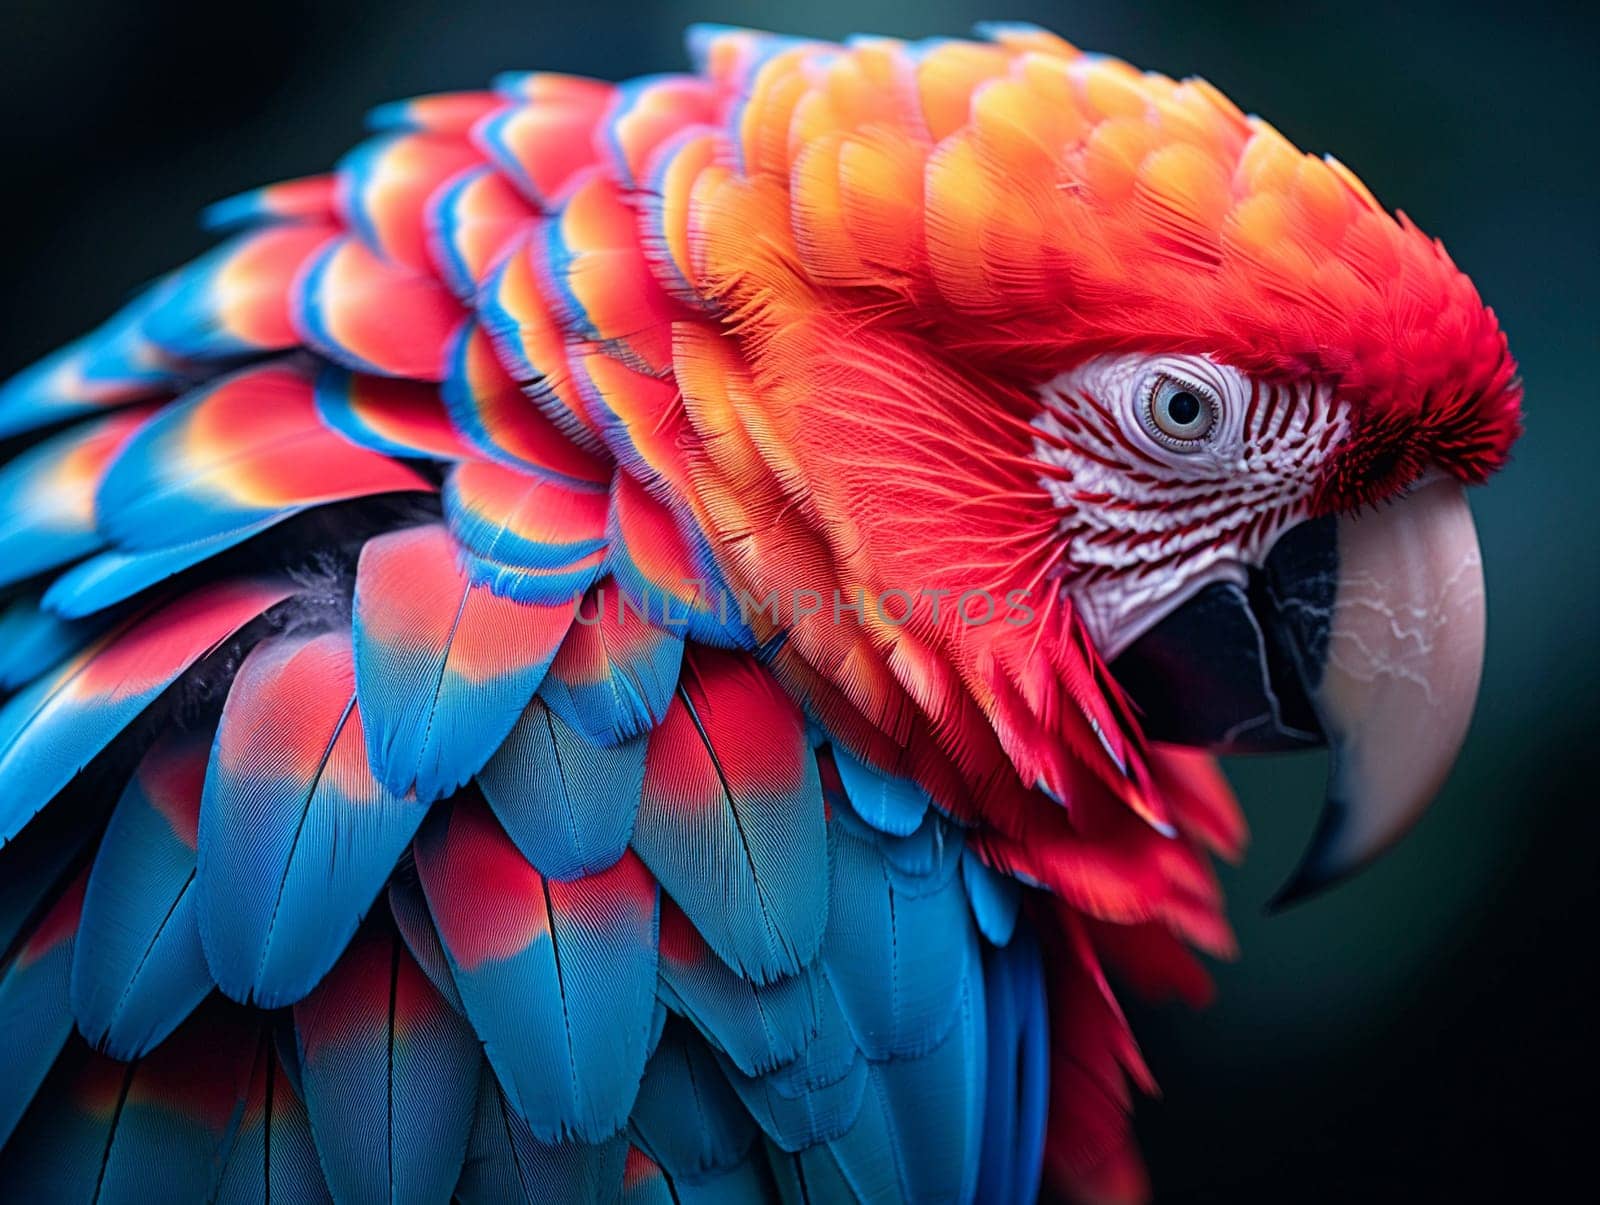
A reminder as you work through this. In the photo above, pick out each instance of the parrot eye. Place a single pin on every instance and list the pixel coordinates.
(1178, 413)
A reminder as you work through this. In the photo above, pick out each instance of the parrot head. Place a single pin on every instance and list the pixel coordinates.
(1096, 342)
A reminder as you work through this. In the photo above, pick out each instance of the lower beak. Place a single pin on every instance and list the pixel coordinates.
(1364, 633)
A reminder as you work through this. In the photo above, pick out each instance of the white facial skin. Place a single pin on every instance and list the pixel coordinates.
(1154, 508)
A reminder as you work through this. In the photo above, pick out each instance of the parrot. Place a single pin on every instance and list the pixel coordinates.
(668, 641)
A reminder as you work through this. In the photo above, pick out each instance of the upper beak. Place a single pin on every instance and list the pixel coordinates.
(1364, 632)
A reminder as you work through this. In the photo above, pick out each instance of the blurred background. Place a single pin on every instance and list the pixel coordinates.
(1427, 1031)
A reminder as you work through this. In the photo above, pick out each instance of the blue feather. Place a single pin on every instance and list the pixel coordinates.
(1019, 1072)
(186, 319)
(121, 353)
(688, 1118)
(568, 804)
(307, 199)
(55, 726)
(156, 1129)
(57, 1152)
(47, 514)
(506, 1163)
(896, 947)
(286, 1043)
(272, 1157)
(115, 576)
(759, 1027)
(749, 1180)
(816, 1096)
(892, 805)
(812, 1176)
(354, 171)
(919, 1130)
(443, 209)
(296, 836)
(401, 418)
(646, 1182)
(614, 677)
(138, 969)
(443, 667)
(51, 390)
(525, 526)
(33, 867)
(410, 911)
(558, 978)
(391, 1076)
(995, 898)
(110, 366)
(923, 861)
(731, 820)
(643, 1181)
(35, 1013)
(33, 640)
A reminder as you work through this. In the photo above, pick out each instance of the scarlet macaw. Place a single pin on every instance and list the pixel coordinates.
(661, 641)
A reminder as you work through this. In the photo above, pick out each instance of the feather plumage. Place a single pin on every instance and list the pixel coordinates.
(233, 454)
(398, 418)
(111, 367)
(47, 495)
(615, 674)
(438, 112)
(541, 143)
(919, 1129)
(374, 316)
(688, 1118)
(385, 183)
(894, 805)
(506, 1163)
(102, 582)
(1017, 1092)
(816, 1096)
(35, 868)
(138, 969)
(558, 978)
(391, 1075)
(493, 413)
(530, 538)
(568, 804)
(897, 946)
(33, 640)
(272, 1157)
(731, 820)
(469, 222)
(760, 1027)
(309, 199)
(155, 1129)
(35, 1010)
(234, 300)
(443, 666)
(996, 900)
(53, 728)
(296, 835)
(409, 907)
(664, 571)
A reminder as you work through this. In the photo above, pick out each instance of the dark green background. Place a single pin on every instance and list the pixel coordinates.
(1424, 1032)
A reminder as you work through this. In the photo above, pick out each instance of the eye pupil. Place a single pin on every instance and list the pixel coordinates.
(1183, 407)
(1179, 414)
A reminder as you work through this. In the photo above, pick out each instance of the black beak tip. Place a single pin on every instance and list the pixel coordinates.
(1325, 864)
(1305, 884)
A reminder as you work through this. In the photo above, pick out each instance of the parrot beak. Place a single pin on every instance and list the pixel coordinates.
(1362, 632)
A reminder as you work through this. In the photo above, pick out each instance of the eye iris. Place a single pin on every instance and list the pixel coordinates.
(1183, 408)
(1179, 414)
